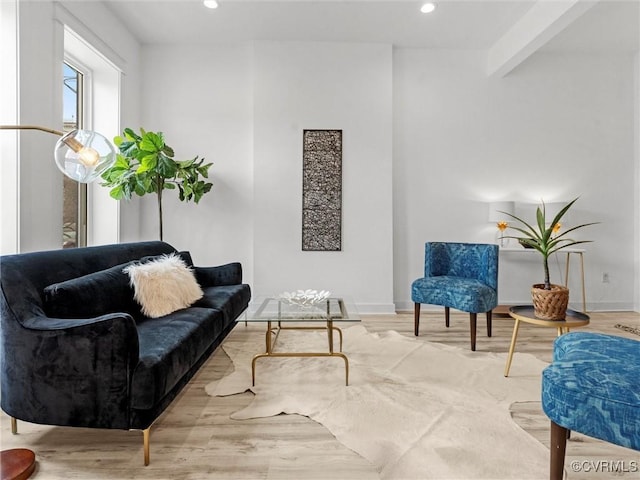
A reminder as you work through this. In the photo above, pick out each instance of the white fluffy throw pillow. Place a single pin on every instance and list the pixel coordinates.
(163, 285)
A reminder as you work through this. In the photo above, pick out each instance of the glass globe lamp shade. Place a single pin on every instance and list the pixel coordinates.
(83, 155)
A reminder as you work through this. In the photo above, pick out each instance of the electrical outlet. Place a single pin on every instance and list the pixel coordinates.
(605, 278)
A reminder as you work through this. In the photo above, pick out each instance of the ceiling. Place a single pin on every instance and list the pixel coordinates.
(610, 25)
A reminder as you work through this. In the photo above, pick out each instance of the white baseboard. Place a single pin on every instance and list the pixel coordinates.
(407, 306)
(376, 308)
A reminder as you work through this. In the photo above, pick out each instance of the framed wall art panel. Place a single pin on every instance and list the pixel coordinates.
(322, 190)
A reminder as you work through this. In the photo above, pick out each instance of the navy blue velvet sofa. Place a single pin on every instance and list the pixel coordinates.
(96, 361)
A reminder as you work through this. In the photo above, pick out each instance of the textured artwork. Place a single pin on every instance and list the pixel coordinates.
(322, 190)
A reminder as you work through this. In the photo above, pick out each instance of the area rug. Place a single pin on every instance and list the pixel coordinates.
(627, 328)
(414, 409)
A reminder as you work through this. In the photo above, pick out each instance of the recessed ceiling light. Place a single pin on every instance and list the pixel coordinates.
(210, 3)
(428, 7)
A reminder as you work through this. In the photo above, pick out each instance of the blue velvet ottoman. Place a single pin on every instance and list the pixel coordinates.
(592, 387)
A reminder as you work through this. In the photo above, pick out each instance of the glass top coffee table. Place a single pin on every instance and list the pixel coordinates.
(282, 314)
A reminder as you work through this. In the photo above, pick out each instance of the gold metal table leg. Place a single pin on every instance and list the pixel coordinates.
(253, 366)
(512, 347)
(346, 367)
(271, 344)
(584, 292)
(145, 442)
(566, 277)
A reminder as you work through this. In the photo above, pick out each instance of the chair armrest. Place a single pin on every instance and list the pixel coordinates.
(229, 274)
(70, 372)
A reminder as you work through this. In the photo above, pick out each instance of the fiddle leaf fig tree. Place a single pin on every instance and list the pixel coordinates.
(145, 165)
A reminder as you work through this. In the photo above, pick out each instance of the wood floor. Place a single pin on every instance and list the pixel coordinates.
(196, 439)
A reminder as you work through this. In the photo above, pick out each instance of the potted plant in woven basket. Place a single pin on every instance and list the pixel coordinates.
(550, 301)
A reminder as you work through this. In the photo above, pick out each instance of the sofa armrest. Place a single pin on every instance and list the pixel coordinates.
(229, 274)
(71, 372)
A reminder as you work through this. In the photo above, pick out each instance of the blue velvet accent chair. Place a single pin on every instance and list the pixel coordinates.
(592, 387)
(463, 276)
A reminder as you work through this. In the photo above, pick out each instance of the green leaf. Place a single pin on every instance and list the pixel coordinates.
(152, 142)
(186, 163)
(145, 183)
(147, 163)
(204, 170)
(540, 219)
(166, 167)
(130, 135)
(129, 149)
(121, 162)
(140, 189)
(168, 151)
(562, 212)
(117, 193)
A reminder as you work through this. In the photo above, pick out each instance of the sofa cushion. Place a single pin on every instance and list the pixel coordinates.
(232, 300)
(163, 285)
(184, 255)
(229, 274)
(169, 347)
(92, 295)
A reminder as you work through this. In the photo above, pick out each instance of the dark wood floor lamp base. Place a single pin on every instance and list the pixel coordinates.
(17, 463)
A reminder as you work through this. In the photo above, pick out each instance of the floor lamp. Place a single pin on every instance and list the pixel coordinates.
(81, 155)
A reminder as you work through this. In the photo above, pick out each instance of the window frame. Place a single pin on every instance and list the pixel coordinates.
(82, 101)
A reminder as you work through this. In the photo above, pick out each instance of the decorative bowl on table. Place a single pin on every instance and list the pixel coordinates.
(305, 298)
(523, 242)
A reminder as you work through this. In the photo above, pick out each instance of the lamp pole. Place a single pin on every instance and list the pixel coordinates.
(81, 155)
(31, 127)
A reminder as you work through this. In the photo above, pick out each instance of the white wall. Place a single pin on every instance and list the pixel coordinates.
(301, 86)
(200, 98)
(40, 85)
(9, 167)
(39, 100)
(245, 108)
(460, 139)
(556, 128)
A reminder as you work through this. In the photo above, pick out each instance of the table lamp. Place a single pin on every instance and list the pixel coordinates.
(81, 155)
(500, 219)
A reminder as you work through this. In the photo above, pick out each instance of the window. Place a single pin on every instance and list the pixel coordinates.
(74, 212)
(100, 104)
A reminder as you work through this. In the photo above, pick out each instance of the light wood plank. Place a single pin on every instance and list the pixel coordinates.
(196, 439)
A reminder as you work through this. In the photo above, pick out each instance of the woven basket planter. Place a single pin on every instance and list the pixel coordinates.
(550, 304)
